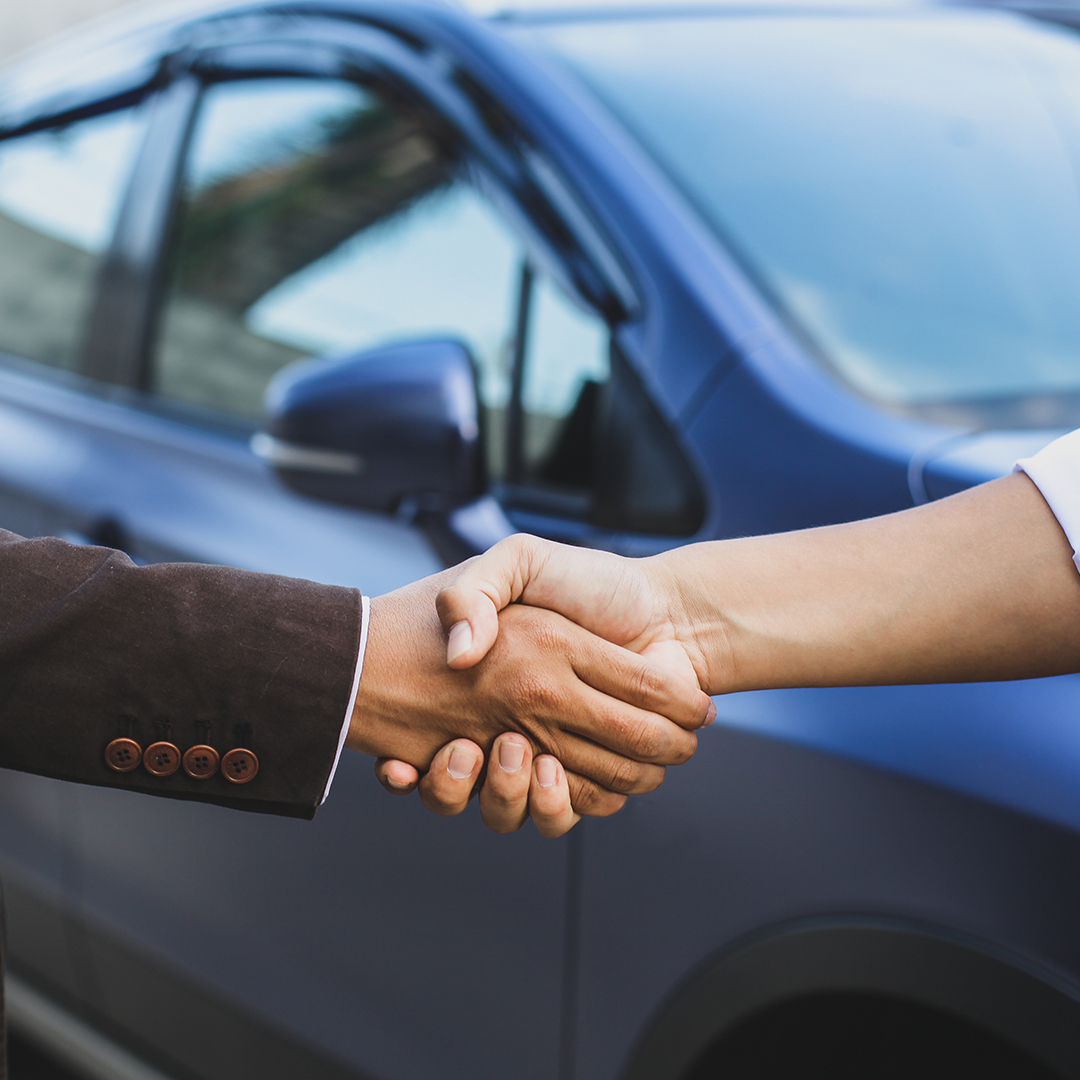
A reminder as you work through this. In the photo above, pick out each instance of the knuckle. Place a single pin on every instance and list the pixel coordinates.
(626, 776)
(448, 603)
(648, 682)
(552, 829)
(652, 779)
(586, 796)
(503, 827)
(591, 800)
(518, 544)
(607, 803)
(495, 800)
(438, 806)
(686, 750)
(647, 741)
(637, 737)
(437, 801)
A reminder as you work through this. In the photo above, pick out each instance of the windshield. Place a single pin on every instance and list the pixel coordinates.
(903, 187)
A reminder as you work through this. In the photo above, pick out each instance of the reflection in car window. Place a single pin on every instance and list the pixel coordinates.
(60, 193)
(445, 267)
(281, 174)
(319, 219)
(904, 186)
(566, 364)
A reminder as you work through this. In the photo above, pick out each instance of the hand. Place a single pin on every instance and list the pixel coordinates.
(603, 712)
(512, 793)
(630, 602)
(617, 598)
(518, 786)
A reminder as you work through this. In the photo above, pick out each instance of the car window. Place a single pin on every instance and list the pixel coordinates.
(317, 218)
(903, 186)
(566, 364)
(446, 266)
(320, 219)
(60, 193)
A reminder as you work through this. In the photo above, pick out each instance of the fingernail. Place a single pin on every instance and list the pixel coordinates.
(710, 716)
(397, 783)
(546, 772)
(459, 642)
(511, 755)
(460, 765)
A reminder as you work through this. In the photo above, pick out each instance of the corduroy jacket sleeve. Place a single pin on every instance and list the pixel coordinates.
(94, 649)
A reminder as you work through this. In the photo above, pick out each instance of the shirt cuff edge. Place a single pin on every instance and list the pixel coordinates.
(365, 616)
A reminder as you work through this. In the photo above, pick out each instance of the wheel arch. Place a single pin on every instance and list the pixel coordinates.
(1033, 1008)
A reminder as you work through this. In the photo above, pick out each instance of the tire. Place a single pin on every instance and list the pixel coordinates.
(846, 1036)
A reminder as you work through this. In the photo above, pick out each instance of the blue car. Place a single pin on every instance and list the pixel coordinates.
(351, 289)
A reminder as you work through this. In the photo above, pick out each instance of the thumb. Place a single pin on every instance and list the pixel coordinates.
(474, 625)
(671, 656)
(469, 606)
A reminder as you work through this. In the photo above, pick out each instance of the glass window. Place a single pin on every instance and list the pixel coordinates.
(446, 266)
(566, 364)
(903, 185)
(319, 219)
(60, 193)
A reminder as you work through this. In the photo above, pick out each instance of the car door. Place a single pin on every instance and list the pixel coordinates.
(60, 192)
(313, 214)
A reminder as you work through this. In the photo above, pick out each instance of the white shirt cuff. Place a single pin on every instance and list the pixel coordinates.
(365, 615)
(1055, 471)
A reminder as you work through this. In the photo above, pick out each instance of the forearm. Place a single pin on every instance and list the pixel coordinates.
(977, 586)
(94, 649)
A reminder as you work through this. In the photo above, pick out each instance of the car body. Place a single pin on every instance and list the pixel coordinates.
(833, 861)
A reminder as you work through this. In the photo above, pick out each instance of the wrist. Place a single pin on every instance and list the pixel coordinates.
(408, 704)
(698, 622)
(380, 721)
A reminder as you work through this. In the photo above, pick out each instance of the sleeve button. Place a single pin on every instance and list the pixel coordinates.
(201, 762)
(161, 759)
(239, 766)
(123, 755)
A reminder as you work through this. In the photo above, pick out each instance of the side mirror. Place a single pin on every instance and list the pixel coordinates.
(394, 425)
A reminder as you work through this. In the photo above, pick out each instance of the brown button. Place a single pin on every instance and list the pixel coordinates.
(239, 766)
(161, 759)
(201, 762)
(123, 755)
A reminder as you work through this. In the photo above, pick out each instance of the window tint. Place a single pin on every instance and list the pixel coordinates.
(905, 186)
(60, 192)
(565, 366)
(593, 444)
(320, 219)
(446, 266)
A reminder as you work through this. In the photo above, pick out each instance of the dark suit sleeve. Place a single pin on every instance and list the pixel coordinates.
(94, 648)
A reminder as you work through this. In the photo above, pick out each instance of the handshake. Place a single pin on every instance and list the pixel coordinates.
(578, 676)
(560, 669)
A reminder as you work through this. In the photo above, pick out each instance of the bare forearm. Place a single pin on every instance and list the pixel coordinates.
(977, 586)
